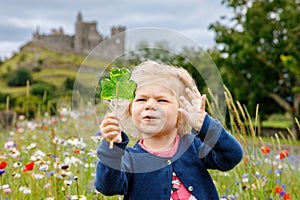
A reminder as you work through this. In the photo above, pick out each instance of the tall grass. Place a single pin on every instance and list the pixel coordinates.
(48, 158)
(269, 170)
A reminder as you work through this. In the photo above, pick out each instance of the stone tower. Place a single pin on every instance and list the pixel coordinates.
(118, 33)
(86, 35)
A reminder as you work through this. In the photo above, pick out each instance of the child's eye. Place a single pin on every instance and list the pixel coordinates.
(140, 99)
(162, 100)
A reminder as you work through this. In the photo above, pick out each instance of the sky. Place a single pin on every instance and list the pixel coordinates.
(191, 18)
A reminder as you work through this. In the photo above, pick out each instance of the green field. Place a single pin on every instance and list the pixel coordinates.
(54, 157)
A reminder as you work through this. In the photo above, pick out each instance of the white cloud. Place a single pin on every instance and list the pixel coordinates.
(12, 46)
(19, 19)
(201, 36)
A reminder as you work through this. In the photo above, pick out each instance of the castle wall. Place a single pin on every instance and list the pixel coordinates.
(113, 47)
(55, 42)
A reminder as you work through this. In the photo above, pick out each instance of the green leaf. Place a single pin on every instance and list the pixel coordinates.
(118, 86)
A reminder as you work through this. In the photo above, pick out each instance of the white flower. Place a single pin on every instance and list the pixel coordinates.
(31, 146)
(38, 176)
(16, 175)
(92, 153)
(25, 190)
(65, 173)
(17, 164)
(13, 152)
(67, 182)
(79, 197)
(31, 125)
(39, 153)
(4, 186)
(33, 158)
(49, 198)
(44, 167)
(96, 139)
(73, 160)
(245, 180)
(76, 142)
(64, 111)
(9, 144)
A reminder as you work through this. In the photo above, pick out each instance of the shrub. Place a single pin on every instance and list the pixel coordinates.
(69, 83)
(40, 88)
(36, 69)
(19, 77)
(28, 106)
(3, 99)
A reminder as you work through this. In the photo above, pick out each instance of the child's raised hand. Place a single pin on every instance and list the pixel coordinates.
(194, 110)
(110, 128)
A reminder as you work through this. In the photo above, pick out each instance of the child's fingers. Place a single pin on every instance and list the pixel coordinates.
(203, 102)
(196, 92)
(109, 119)
(111, 116)
(111, 136)
(186, 104)
(109, 128)
(190, 94)
(193, 94)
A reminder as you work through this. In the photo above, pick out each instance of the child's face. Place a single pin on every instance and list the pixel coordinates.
(154, 110)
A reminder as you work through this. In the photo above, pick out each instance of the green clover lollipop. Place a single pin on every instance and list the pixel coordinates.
(118, 86)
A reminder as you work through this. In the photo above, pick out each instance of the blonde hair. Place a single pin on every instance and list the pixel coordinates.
(176, 79)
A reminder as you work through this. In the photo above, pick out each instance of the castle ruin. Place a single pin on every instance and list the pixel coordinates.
(86, 38)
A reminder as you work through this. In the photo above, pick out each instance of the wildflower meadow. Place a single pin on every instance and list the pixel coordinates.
(54, 157)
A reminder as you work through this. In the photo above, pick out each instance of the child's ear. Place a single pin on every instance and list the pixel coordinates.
(129, 108)
(179, 119)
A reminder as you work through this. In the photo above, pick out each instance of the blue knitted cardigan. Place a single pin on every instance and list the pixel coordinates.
(138, 174)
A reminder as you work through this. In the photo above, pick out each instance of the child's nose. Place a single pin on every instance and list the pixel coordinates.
(150, 104)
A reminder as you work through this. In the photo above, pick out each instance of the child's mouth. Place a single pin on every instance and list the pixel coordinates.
(149, 117)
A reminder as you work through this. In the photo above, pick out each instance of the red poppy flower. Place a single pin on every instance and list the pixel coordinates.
(3, 165)
(76, 151)
(265, 149)
(28, 167)
(287, 196)
(278, 189)
(45, 128)
(283, 154)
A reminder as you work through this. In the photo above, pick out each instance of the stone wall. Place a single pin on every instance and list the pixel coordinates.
(55, 42)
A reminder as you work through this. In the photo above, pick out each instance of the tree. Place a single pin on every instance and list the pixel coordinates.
(19, 77)
(253, 46)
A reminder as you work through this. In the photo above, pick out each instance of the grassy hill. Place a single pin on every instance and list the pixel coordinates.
(47, 66)
(53, 75)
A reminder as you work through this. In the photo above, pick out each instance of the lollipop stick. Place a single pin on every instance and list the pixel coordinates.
(115, 110)
(111, 144)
